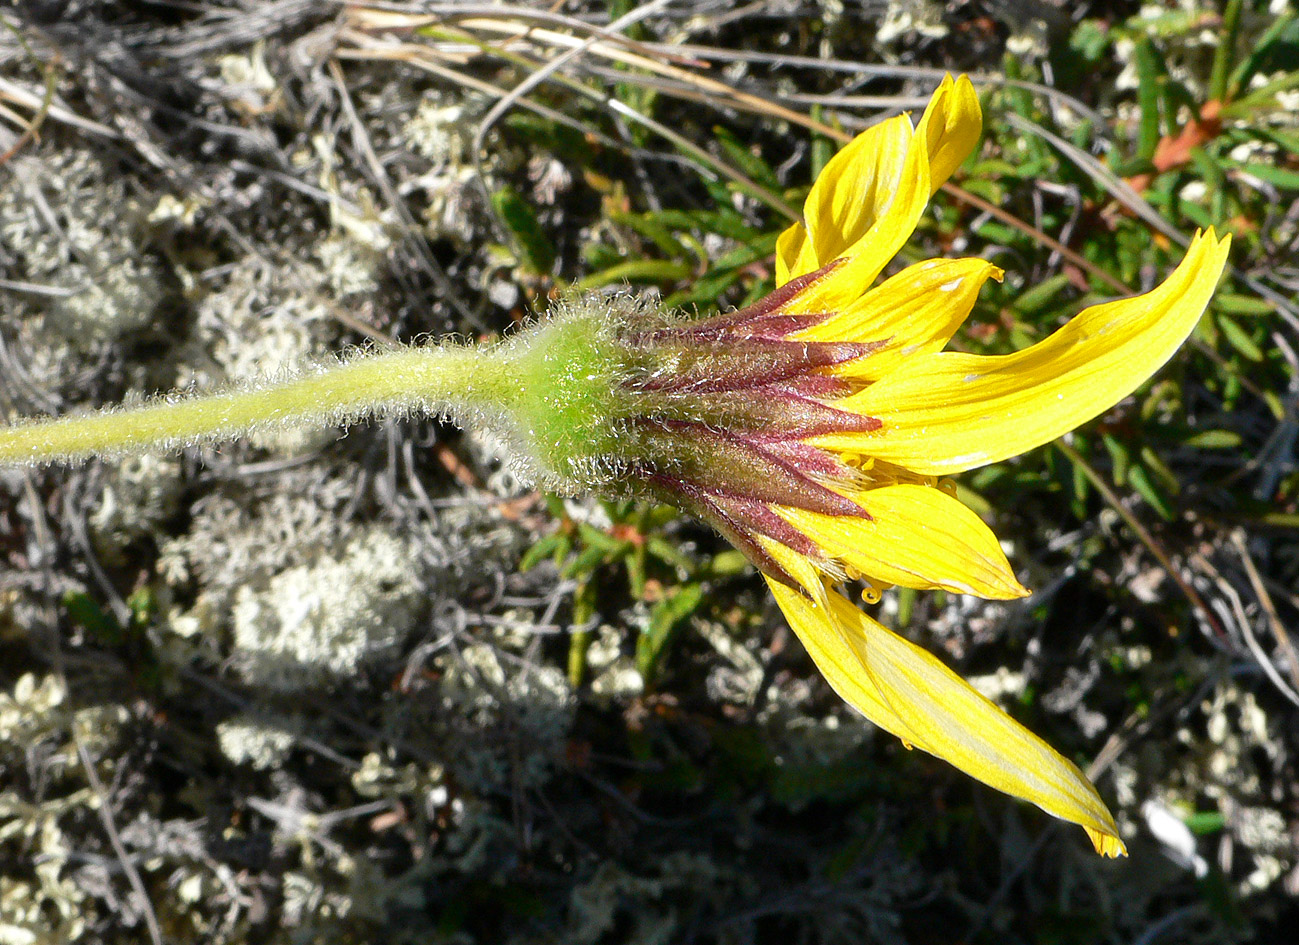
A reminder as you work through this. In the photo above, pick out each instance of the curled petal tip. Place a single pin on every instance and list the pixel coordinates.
(1107, 844)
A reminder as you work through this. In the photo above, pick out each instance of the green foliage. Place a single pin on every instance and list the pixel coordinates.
(536, 251)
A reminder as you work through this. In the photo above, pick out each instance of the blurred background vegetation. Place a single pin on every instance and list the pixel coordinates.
(370, 689)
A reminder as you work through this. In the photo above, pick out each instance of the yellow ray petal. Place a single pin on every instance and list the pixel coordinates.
(794, 254)
(915, 312)
(908, 692)
(861, 184)
(917, 536)
(866, 257)
(947, 412)
(952, 124)
(857, 187)
(852, 194)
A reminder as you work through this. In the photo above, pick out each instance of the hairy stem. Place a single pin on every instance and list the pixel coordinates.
(437, 379)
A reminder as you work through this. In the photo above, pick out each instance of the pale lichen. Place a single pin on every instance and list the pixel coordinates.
(139, 493)
(261, 743)
(312, 623)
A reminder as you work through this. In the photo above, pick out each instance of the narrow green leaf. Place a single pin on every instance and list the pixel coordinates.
(1283, 29)
(535, 249)
(1205, 822)
(1245, 305)
(665, 617)
(1040, 296)
(1238, 338)
(584, 563)
(750, 164)
(648, 226)
(1263, 96)
(1281, 177)
(1145, 486)
(597, 538)
(668, 553)
(540, 551)
(1148, 70)
(1224, 55)
(639, 272)
(1214, 440)
(1158, 468)
(727, 563)
(1119, 457)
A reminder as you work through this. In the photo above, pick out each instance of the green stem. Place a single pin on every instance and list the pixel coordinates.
(431, 380)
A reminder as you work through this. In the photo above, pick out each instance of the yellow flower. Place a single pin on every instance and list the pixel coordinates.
(921, 413)
(810, 428)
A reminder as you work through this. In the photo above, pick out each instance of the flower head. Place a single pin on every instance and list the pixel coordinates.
(811, 428)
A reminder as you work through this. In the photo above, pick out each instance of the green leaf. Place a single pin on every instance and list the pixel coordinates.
(1283, 32)
(1119, 457)
(597, 538)
(543, 549)
(1226, 51)
(1148, 71)
(143, 604)
(1041, 295)
(1261, 97)
(668, 553)
(585, 562)
(1278, 176)
(750, 164)
(666, 616)
(85, 612)
(1245, 305)
(1214, 440)
(638, 271)
(1167, 478)
(535, 249)
(1145, 486)
(653, 229)
(1238, 338)
(727, 563)
(1205, 822)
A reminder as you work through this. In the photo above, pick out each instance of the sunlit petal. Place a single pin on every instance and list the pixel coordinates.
(910, 693)
(850, 194)
(947, 412)
(916, 536)
(915, 312)
(866, 257)
(952, 124)
(871, 183)
(794, 254)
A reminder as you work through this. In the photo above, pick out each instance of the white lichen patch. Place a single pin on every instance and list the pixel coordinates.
(1003, 686)
(261, 743)
(42, 733)
(76, 234)
(441, 132)
(613, 672)
(738, 678)
(247, 82)
(139, 493)
(314, 622)
(906, 18)
(306, 899)
(1239, 760)
(485, 687)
